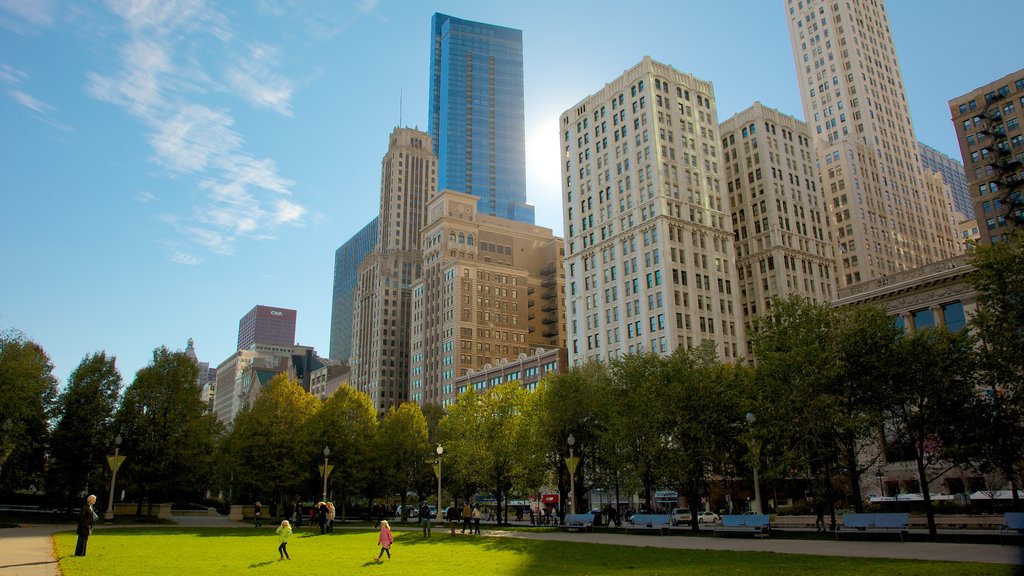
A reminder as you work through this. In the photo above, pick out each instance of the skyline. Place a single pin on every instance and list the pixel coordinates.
(170, 165)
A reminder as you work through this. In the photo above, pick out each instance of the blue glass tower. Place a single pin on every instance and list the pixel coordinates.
(476, 114)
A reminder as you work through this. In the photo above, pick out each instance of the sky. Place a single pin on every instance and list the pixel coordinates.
(166, 165)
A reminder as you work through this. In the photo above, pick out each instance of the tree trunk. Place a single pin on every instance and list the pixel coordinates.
(922, 474)
(854, 472)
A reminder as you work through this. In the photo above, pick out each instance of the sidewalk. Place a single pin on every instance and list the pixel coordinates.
(28, 551)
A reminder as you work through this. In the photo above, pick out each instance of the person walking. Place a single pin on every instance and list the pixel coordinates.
(321, 516)
(467, 518)
(86, 518)
(476, 519)
(425, 519)
(453, 517)
(330, 517)
(257, 512)
(284, 532)
(385, 539)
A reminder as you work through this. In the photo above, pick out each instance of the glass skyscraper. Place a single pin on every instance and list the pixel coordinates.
(476, 114)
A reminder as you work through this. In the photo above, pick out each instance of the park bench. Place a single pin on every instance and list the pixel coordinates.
(756, 524)
(659, 522)
(575, 522)
(876, 522)
(1013, 525)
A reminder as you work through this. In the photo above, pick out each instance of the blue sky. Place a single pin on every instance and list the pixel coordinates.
(166, 165)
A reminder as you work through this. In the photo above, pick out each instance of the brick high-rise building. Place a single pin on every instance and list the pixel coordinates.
(885, 213)
(650, 264)
(267, 325)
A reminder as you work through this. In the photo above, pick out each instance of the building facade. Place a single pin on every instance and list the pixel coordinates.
(988, 127)
(650, 262)
(490, 291)
(953, 176)
(885, 214)
(778, 211)
(477, 118)
(381, 304)
(527, 370)
(241, 377)
(347, 260)
(267, 325)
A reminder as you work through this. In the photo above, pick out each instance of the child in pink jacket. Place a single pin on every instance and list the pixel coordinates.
(385, 540)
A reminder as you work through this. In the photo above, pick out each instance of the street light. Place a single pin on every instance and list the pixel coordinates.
(880, 475)
(440, 451)
(570, 463)
(757, 456)
(327, 471)
(115, 463)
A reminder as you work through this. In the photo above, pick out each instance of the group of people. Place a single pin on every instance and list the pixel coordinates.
(468, 516)
(284, 532)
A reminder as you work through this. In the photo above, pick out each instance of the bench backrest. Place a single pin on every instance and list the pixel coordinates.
(877, 520)
(745, 520)
(1014, 520)
(579, 519)
(651, 519)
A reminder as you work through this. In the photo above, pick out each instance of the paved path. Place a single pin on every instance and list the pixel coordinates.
(28, 551)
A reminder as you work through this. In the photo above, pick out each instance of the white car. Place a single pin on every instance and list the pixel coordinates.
(708, 516)
(680, 516)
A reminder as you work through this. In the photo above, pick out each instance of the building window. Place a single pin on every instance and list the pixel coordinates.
(923, 319)
(953, 316)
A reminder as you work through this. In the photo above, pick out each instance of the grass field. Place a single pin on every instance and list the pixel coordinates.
(223, 552)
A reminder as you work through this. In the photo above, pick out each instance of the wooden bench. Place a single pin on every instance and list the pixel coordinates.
(756, 524)
(1013, 525)
(877, 522)
(659, 522)
(584, 522)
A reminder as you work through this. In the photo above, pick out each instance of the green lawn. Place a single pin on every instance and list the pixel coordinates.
(223, 552)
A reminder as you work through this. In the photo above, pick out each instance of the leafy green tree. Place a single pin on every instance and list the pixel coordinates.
(998, 323)
(29, 391)
(84, 430)
(931, 405)
(405, 451)
(698, 432)
(167, 434)
(269, 453)
(348, 425)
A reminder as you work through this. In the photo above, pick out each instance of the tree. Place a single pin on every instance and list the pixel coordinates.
(347, 424)
(167, 434)
(698, 432)
(998, 322)
(932, 403)
(269, 452)
(405, 451)
(29, 391)
(84, 430)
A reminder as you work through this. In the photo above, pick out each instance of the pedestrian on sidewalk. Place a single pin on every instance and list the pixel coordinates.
(284, 531)
(257, 514)
(385, 539)
(86, 518)
(476, 518)
(425, 518)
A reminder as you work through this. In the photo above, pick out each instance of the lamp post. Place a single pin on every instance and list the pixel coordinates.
(881, 490)
(115, 463)
(440, 451)
(571, 463)
(327, 471)
(757, 456)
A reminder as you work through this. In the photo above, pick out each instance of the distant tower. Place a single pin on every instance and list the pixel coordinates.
(477, 119)
(650, 264)
(347, 260)
(381, 312)
(885, 213)
(267, 325)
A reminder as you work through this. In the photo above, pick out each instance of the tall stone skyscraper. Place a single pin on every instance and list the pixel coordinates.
(476, 114)
(778, 211)
(381, 312)
(650, 263)
(885, 213)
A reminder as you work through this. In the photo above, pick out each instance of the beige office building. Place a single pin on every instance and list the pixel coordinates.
(778, 211)
(490, 291)
(988, 127)
(885, 214)
(649, 241)
(381, 309)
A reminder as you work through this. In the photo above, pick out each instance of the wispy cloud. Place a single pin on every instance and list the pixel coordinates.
(11, 75)
(161, 81)
(41, 111)
(254, 79)
(35, 13)
(30, 102)
(145, 196)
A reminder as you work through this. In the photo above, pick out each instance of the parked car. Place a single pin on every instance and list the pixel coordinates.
(708, 516)
(680, 516)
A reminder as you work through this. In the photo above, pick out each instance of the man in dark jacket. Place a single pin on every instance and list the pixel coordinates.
(86, 518)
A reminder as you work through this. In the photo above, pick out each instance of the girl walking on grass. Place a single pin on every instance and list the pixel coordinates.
(284, 531)
(385, 540)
